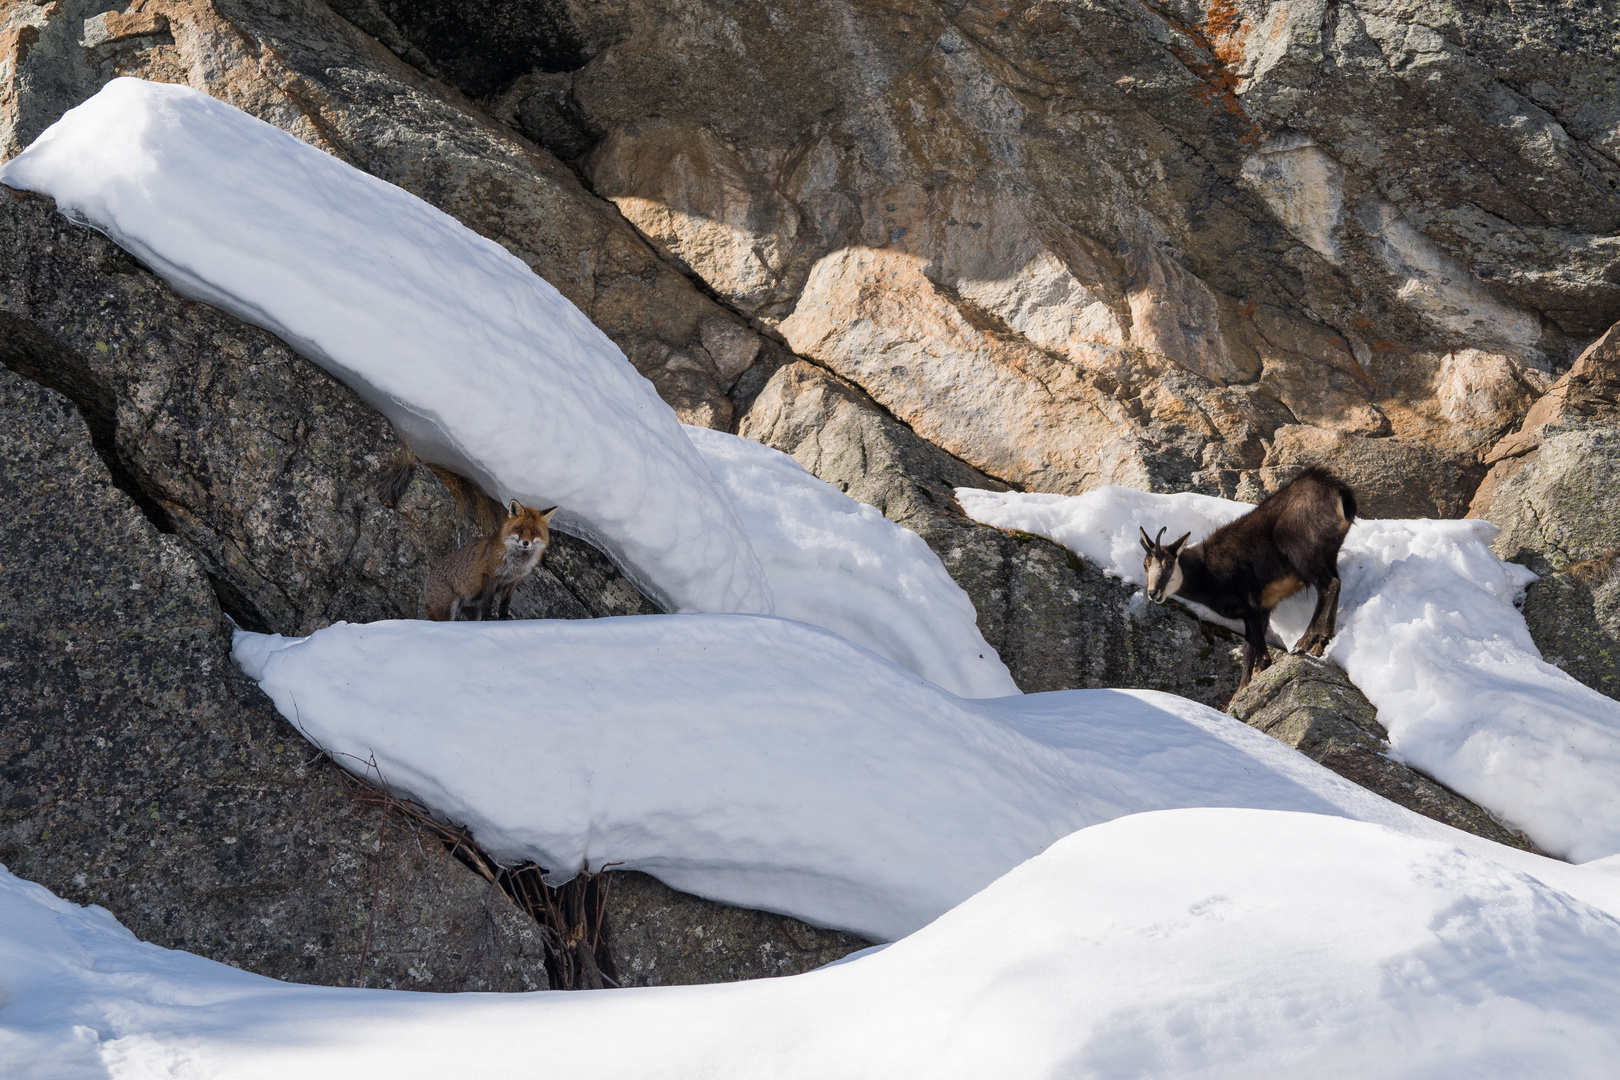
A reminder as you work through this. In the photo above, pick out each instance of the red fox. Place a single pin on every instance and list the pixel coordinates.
(476, 580)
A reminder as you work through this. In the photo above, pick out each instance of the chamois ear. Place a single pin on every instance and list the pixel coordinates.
(545, 515)
(1175, 548)
(1147, 545)
(515, 509)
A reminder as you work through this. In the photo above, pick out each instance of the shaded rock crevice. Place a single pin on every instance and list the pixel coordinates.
(1313, 706)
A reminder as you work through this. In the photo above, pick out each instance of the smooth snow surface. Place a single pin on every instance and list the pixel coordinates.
(762, 762)
(1185, 943)
(478, 362)
(836, 563)
(1428, 631)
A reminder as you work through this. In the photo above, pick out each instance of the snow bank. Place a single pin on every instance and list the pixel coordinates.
(479, 363)
(761, 762)
(1428, 631)
(1187, 943)
(833, 562)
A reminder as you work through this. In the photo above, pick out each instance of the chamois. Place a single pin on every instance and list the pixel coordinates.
(1247, 567)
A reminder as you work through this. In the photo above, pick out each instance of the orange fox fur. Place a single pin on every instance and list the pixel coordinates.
(475, 581)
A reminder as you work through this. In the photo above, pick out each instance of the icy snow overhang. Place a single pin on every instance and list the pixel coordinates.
(480, 364)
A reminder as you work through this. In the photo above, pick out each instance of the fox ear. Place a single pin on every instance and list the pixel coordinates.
(545, 515)
(1175, 548)
(514, 509)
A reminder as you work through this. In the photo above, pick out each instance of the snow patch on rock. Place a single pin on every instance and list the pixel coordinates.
(1429, 632)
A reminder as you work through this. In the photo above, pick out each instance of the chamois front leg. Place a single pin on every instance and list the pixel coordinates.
(1324, 621)
(1255, 656)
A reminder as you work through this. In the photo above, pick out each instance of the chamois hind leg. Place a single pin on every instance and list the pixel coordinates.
(1324, 621)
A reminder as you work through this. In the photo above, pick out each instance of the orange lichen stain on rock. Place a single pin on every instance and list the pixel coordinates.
(1219, 47)
(1227, 30)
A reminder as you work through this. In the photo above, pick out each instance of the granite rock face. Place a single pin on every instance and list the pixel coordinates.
(140, 771)
(1554, 488)
(1313, 706)
(1555, 482)
(1056, 622)
(660, 937)
(270, 470)
(1085, 241)
(241, 476)
(300, 66)
(1574, 616)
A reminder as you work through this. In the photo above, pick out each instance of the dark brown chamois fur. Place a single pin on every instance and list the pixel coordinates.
(1247, 567)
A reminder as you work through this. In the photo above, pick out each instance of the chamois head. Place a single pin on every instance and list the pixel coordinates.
(1160, 566)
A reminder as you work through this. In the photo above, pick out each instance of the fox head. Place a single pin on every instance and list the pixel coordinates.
(1161, 567)
(526, 529)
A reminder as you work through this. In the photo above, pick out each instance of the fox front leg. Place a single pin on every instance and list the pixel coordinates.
(484, 608)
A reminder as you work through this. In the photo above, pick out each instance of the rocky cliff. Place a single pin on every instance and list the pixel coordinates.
(916, 245)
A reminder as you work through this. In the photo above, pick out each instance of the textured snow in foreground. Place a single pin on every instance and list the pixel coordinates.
(767, 763)
(836, 563)
(478, 362)
(1428, 631)
(1186, 943)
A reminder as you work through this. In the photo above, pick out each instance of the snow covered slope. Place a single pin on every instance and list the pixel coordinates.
(762, 762)
(1186, 943)
(1428, 631)
(837, 563)
(479, 363)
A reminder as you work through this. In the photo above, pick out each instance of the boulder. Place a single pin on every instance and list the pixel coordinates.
(270, 492)
(1574, 617)
(657, 936)
(1553, 487)
(1313, 706)
(300, 501)
(300, 66)
(1058, 623)
(140, 771)
(1085, 242)
(1553, 483)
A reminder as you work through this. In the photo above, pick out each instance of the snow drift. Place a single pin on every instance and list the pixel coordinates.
(1428, 631)
(762, 762)
(1207, 943)
(485, 368)
(478, 362)
(836, 563)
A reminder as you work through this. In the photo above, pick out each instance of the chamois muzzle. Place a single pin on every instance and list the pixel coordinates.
(1157, 566)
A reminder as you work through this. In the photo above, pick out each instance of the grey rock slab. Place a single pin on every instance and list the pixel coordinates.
(1313, 706)
(1091, 241)
(140, 771)
(1574, 617)
(1058, 623)
(343, 87)
(1554, 488)
(658, 936)
(272, 471)
(1562, 505)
